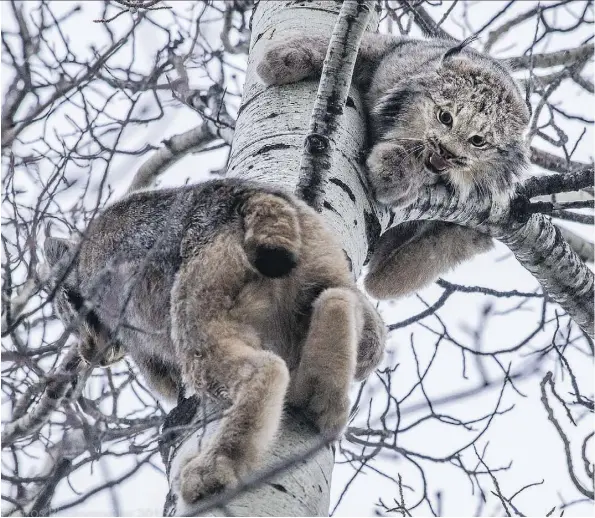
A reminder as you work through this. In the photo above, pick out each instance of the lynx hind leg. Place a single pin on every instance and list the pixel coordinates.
(413, 255)
(291, 59)
(371, 341)
(256, 383)
(271, 234)
(222, 356)
(321, 382)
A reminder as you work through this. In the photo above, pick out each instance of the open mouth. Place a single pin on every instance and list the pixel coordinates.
(436, 163)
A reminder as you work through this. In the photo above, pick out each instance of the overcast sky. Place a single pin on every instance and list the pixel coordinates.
(522, 435)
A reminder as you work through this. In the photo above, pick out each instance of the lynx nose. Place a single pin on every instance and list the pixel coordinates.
(445, 153)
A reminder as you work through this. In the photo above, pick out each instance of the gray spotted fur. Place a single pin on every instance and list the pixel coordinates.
(228, 288)
(406, 83)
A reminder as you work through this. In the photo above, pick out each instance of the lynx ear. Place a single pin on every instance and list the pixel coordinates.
(56, 247)
(453, 51)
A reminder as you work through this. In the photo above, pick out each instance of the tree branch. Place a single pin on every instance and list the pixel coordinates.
(583, 248)
(552, 59)
(548, 380)
(535, 241)
(333, 88)
(495, 34)
(56, 389)
(174, 149)
(556, 183)
(425, 22)
(10, 135)
(553, 162)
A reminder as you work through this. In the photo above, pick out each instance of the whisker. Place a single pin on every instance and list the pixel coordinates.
(411, 152)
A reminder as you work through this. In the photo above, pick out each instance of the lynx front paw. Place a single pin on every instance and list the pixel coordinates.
(287, 62)
(396, 174)
(205, 475)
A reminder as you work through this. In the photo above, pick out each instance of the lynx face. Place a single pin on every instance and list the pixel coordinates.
(95, 345)
(461, 125)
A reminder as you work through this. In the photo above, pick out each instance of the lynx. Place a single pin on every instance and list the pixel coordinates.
(438, 112)
(227, 288)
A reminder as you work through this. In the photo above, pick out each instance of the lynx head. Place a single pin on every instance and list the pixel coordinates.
(462, 123)
(96, 346)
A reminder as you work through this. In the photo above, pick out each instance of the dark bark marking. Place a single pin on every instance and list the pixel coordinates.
(279, 487)
(373, 230)
(271, 147)
(328, 206)
(316, 143)
(344, 187)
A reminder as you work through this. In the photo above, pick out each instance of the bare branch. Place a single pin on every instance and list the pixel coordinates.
(553, 162)
(330, 99)
(556, 183)
(552, 59)
(425, 22)
(57, 387)
(582, 247)
(547, 380)
(536, 243)
(174, 149)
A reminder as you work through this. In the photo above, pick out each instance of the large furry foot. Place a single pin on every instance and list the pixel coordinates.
(289, 61)
(396, 175)
(321, 384)
(327, 407)
(372, 340)
(207, 474)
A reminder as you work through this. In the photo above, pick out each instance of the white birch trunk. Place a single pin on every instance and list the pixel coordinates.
(274, 121)
(268, 146)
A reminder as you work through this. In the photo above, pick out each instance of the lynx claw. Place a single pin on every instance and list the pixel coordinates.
(330, 416)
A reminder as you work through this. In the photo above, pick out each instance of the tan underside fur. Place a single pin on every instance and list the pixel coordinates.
(411, 256)
(225, 313)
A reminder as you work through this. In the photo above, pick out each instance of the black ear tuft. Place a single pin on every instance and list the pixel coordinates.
(528, 92)
(458, 48)
(55, 248)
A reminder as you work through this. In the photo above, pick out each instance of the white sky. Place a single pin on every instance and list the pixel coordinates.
(523, 435)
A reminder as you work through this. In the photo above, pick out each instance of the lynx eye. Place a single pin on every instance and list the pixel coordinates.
(445, 117)
(477, 141)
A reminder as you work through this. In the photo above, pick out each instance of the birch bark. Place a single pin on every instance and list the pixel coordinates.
(537, 244)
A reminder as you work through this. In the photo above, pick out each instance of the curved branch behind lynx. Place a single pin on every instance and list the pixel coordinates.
(534, 240)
